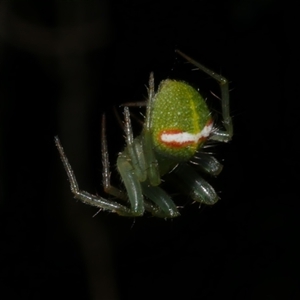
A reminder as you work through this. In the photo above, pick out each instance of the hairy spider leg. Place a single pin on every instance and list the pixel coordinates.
(84, 196)
(217, 134)
(152, 164)
(108, 188)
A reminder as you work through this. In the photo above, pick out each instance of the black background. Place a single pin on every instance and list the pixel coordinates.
(64, 63)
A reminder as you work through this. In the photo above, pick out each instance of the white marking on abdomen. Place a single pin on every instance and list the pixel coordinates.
(185, 137)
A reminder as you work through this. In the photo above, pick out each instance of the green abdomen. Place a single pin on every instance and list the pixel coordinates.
(181, 121)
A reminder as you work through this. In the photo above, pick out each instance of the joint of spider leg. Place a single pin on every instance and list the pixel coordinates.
(106, 184)
(223, 81)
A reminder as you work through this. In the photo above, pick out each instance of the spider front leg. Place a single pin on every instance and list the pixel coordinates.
(84, 196)
(217, 134)
(108, 188)
(152, 165)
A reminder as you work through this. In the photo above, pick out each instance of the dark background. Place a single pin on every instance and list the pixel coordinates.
(64, 63)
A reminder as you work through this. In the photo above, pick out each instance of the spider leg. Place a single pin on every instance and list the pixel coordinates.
(217, 134)
(199, 189)
(131, 183)
(151, 162)
(108, 188)
(163, 201)
(84, 196)
(134, 148)
(208, 163)
(131, 116)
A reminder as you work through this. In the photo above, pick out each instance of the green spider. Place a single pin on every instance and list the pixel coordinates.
(177, 124)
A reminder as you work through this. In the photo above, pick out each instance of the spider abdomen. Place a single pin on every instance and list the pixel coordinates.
(181, 120)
